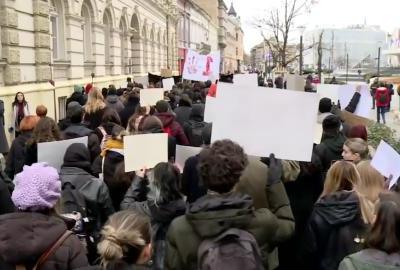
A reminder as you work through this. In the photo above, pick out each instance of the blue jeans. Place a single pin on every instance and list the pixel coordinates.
(381, 111)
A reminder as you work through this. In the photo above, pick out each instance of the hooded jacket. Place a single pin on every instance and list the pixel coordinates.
(115, 103)
(371, 259)
(26, 236)
(330, 149)
(78, 97)
(76, 170)
(173, 128)
(196, 121)
(211, 215)
(161, 216)
(335, 230)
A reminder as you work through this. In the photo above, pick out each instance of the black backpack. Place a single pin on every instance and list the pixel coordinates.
(195, 133)
(234, 249)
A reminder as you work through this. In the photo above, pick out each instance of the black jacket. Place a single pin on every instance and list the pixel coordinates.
(93, 120)
(183, 114)
(76, 170)
(16, 157)
(128, 111)
(191, 186)
(6, 205)
(334, 227)
(77, 130)
(161, 216)
(78, 97)
(353, 103)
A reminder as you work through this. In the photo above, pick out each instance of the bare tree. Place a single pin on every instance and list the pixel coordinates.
(277, 26)
(320, 51)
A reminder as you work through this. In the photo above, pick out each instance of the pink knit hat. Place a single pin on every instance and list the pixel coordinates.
(37, 187)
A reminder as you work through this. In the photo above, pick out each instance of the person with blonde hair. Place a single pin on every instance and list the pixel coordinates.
(126, 241)
(336, 227)
(94, 108)
(355, 150)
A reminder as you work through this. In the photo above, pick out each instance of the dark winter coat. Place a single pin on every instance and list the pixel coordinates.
(79, 130)
(196, 121)
(334, 227)
(173, 128)
(6, 204)
(161, 216)
(371, 259)
(31, 154)
(16, 157)
(113, 102)
(78, 97)
(330, 149)
(128, 111)
(93, 120)
(26, 236)
(183, 114)
(352, 107)
(3, 139)
(211, 215)
(76, 170)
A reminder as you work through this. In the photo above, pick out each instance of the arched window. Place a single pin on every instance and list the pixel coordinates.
(123, 27)
(57, 29)
(107, 21)
(87, 30)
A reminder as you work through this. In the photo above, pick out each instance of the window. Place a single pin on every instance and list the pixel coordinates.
(57, 29)
(62, 107)
(54, 36)
(87, 32)
(107, 35)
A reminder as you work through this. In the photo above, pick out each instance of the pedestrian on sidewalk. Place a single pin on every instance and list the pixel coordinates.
(382, 98)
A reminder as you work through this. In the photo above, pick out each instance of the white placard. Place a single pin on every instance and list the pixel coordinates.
(250, 79)
(53, 152)
(386, 161)
(144, 80)
(168, 84)
(145, 151)
(329, 91)
(346, 93)
(149, 97)
(201, 67)
(210, 109)
(183, 153)
(318, 133)
(295, 82)
(265, 122)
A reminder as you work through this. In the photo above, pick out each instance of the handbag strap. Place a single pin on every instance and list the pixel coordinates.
(50, 251)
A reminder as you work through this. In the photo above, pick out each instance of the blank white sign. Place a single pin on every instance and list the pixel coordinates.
(183, 153)
(250, 79)
(149, 97)
(53, 152)
(295, 82)
(210, 109)
(168, 84)
(329, 91)
(346, 93)
(265, 122)
(144, 80)
(145, 151)
(386, 161)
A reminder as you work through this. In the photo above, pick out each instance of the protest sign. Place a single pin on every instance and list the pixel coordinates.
(201, 67)
(168, 84)
(166, 73)
(346, 93)
(144, 80)
(183, 153)
(250, 79)
(53, 152)
(149, 97)
(145, 151)
(265, 122)
(386, 161)
(295, 82)
(329, 91)
(210, 109)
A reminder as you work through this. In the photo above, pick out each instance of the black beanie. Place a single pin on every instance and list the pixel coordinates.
(331, 123)
(162, 106)
(325, 105)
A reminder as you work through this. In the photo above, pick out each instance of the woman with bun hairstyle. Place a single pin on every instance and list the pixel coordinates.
(126, 242)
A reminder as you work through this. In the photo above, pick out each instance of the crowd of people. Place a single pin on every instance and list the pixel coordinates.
(226, 210)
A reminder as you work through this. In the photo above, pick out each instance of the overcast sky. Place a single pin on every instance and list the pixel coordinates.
(338, 13)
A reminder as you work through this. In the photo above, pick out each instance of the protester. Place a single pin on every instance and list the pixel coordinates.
(183, 110)
(108, 122)
(119, 184)
(113, 100)
(104, 92)
(390, 88)
(170, 125)
(336, 227)
(157, 195)
(355, 150)
(382, 98)
(77, 130)
(94, 109)
(279, 82)
(41, 111)
(46, 130)
(126, 242)
(133, 102)
(3, 140)
(29, 233)
(16, 156)
(195, 126)
(382, 244)
(223, 209)
(76, 173)
(374, 87)
(324, 109)
(77, 96)
(20, 109)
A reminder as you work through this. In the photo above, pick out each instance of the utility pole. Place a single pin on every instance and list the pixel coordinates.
(347, 67)
(379, 62)
(301, 55)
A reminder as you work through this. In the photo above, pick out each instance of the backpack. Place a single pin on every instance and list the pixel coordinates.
(234, 249)
(195, 133)
(383, 98)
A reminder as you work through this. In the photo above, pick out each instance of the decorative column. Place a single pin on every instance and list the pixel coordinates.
(10, 42)
(42, 40)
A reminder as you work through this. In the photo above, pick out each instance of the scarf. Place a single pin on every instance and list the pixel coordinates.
(20, 111)
(112, 144)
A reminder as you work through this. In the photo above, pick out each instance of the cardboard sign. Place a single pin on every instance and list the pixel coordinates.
(386, 161)
(201, 67)
(346, 93)
(53, 152)
(265, 122)
(250, 79)
(183, 153)
(145, 151)
(295, 82)
(168, 84)
(166, 73)
(149, 97)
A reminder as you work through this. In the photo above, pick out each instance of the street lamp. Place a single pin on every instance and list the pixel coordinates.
(301, 30)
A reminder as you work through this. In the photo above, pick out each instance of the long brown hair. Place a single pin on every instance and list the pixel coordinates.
(46, 130)
(341, 176)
